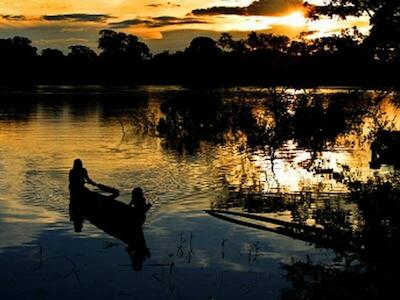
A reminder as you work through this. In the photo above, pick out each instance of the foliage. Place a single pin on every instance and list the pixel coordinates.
(344, 59)
(121, 46)
(384, 15)
(17, 48)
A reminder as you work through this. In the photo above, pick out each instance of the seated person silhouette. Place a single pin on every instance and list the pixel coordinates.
(139, 204)
(78, 176)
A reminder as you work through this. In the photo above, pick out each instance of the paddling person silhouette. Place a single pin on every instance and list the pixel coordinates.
(78, 176)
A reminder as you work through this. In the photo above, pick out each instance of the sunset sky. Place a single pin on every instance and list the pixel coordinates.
(163, 25)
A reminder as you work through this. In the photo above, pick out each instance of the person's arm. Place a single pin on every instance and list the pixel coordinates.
(88, 180)
(147, 207)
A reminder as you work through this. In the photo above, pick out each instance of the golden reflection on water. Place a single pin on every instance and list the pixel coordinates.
(38, 151)
(41, 152)
(293, 169)
(38, 148)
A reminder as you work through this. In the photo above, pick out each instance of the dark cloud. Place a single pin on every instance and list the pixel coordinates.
(220, 10)
(155, 22)
(165, 21)
(13, 17)
(257, 8)
(99, 18)
(128, 23)
(168, 4)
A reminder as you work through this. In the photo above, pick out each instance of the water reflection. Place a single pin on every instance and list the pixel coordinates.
(114, 218)
(301, 157)
(326, 237)
(312, 120)
(293, 166)
(385, 148)
(291, 140)
(370, 270)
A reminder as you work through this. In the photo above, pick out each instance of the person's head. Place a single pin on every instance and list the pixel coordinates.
(78, 164)
(137, 193)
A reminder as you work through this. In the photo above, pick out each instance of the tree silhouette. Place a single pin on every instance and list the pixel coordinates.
(263, 42)
(384, 38)
(52, 54)
(17, 48)
(203, 47)
(18, 59)
(369, 271)
(348, 58)
(82, 54)
(120, 46)
(298, 49)
(228, 44)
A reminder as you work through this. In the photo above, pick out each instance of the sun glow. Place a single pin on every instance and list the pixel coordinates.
(296, 19)
(231, 23)
(26, 18)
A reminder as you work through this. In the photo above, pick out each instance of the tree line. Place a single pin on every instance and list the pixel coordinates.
(348, 58)
(258, 59)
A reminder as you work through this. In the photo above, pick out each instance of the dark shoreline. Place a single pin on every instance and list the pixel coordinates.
(109, 86)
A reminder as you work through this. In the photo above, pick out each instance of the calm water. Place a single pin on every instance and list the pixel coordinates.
(210, 156)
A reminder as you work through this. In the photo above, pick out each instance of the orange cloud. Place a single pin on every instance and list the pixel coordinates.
(256, 8)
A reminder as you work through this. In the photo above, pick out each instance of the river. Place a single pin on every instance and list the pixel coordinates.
(207, 153)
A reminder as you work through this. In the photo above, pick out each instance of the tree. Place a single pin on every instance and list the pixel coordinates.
(52, 54)
(333, 45)
(120, 46)
(298, 48)
(384, 38)
(254, 41)
(263, 42)
(81, 53)
(228, 44)
(17, 48)
(203, 47)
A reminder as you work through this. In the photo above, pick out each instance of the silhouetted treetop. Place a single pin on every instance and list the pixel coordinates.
(203, 46)
(228, 44)
(384, 37)
(17, 47)
(82, 53)
(52, 53)
(118, 45)
(348, 58)
(268, 41)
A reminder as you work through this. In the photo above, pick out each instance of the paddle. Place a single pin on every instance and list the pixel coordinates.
(108, 189)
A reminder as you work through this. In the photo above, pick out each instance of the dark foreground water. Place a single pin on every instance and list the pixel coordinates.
(291, 155)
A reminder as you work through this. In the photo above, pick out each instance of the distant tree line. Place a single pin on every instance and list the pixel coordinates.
(260, 58)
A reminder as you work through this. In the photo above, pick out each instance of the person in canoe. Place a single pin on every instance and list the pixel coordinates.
(78, 176)
(139, 204)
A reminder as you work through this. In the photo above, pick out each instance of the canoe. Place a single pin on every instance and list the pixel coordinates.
(115, 218)
(110, 215)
